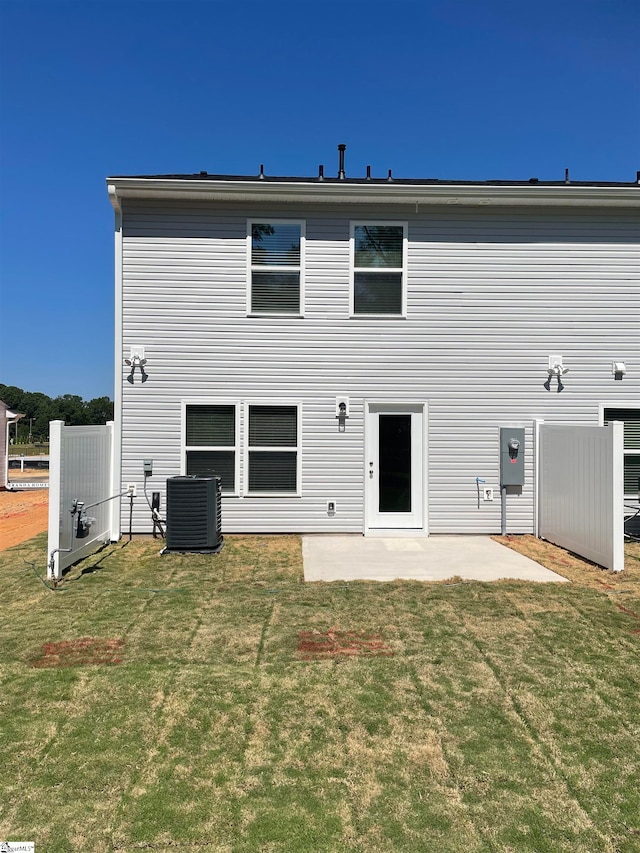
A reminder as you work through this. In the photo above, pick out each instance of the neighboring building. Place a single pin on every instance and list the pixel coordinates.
(249, 309)
(6, 417)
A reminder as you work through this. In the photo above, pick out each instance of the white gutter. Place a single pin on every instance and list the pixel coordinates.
(213, 189)
(113, 198)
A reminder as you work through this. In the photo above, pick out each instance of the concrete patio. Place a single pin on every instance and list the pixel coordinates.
(354, 557)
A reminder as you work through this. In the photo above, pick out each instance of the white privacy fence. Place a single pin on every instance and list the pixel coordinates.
(82, 513)
(581, 491)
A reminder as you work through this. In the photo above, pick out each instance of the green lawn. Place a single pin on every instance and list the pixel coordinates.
(217, 703)
(28, 450)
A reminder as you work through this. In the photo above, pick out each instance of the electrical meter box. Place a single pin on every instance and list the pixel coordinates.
(511, 456)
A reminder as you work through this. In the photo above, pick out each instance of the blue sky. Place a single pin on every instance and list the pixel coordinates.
(469, 89)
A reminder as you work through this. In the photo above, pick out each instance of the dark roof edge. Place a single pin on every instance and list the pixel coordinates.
(264, 179)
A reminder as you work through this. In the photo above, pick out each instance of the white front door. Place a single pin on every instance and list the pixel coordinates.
(394, 467)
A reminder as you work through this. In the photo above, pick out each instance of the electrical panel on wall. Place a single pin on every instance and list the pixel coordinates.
(511, 456)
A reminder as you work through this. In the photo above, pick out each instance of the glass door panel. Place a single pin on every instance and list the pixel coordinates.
(394, 463)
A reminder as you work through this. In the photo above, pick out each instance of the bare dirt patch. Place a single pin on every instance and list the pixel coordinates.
(574, 567)
(82, 652)
(22, 516)
(316, 645)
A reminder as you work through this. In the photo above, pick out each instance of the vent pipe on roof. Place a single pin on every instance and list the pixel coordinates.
(638, 177)
(321, 173)
(341, 149)
(566, 176)
(389, 177)
(261, 175)
(368, 173)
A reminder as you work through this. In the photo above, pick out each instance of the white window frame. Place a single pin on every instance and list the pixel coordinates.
(273, 220)
(279, 449)
(352, 267)
(212, 401)
(625, 451)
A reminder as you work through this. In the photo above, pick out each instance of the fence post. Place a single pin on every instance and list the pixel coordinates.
(55, 496)
(114, 487)
(537, 424)
(617, 465)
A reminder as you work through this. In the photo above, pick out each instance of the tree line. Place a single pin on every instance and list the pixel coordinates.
(39, 409)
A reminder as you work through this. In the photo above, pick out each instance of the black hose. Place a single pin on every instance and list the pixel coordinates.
(629, 519)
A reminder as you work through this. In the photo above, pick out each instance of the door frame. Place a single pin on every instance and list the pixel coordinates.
(400, 407)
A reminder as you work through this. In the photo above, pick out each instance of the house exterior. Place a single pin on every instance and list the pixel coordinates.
(344, 352)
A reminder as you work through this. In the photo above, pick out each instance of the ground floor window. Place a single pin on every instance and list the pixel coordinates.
(210, 443)
(631, 420)
(253, 448)
(273, 439)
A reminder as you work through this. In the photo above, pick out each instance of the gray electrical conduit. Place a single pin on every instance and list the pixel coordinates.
(77, 507)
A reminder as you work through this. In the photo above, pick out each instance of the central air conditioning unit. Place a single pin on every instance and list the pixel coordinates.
(194, 514)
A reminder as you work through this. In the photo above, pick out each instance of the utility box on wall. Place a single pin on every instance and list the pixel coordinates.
(511, 456)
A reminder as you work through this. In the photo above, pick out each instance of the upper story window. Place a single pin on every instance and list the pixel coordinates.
(276, 257)
(378, 263)
(211, 443)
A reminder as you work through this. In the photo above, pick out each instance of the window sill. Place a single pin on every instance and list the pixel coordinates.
(277, 314)
(377, 316)
(272, 495)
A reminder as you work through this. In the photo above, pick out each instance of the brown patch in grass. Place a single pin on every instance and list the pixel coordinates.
(626, 610)
(317, 645)
(83, 652)
(428, 753)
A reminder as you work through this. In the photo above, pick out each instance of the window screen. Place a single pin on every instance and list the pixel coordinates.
(206, 463)
(272, 471)
(211, 425)
(378, 269)
(211, 443)
(275, 267)
(271, 467)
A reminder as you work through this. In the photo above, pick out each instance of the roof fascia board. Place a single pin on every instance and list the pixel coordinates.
(208, 190)
(114, 198)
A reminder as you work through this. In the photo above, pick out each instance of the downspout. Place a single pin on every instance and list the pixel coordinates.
(116, 476)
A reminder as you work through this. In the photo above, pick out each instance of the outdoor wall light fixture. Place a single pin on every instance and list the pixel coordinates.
(618, 368)
(136, 359)
(342, 412)
(556, 369)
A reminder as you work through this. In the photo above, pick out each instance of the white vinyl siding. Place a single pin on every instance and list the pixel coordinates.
(490, 294)
(275, 250)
